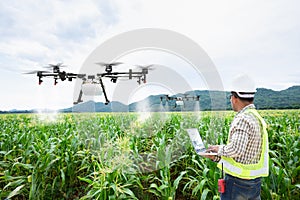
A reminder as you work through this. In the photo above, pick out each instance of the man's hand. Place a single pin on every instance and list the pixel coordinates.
(213, 148)
(208, 156)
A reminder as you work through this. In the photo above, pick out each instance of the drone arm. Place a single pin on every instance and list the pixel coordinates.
(141, 76)
(41, 74)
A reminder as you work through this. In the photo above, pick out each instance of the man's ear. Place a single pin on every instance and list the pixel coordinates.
(235, 99)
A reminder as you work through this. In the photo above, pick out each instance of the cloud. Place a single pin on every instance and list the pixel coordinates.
(54, 29)
(258, 37)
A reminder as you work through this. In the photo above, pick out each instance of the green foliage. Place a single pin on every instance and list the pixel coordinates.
(132, 156)
(283, 181)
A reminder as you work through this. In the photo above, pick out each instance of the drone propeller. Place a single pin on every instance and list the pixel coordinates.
(51, 66)
(148, 67)
(55, 67)
(108, 66)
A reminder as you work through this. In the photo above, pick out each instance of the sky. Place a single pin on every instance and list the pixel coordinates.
(260, 38)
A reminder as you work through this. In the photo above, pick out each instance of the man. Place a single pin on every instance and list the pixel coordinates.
(245, 157)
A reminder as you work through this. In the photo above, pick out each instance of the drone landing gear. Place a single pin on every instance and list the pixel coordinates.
(104, 92)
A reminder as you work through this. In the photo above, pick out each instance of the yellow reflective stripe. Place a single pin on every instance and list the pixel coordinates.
(245, 171)
(263, 168)
(228, 167)
(265, 162)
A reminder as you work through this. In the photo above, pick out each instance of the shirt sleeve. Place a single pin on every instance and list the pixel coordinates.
(217, 158)
(238, 140)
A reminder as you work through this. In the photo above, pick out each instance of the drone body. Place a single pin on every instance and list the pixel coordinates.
(93, 84)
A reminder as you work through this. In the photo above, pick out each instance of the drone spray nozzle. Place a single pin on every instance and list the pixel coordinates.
(114, 79)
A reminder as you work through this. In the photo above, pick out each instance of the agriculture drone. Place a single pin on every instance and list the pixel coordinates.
(179, 101)
(93, 84)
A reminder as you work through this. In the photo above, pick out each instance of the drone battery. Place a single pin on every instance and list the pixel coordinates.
(221, 185)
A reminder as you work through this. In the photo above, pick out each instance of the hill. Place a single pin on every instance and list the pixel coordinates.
(214, 100)
(209, 100)
(284, 99)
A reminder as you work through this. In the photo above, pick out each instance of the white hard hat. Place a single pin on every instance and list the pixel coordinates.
(244, 86)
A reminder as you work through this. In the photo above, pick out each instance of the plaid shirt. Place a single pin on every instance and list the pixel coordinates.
(245, 140)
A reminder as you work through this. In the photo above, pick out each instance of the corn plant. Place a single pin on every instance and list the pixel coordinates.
(132, 155)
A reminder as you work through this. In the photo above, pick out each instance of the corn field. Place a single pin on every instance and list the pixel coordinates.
(132, 155)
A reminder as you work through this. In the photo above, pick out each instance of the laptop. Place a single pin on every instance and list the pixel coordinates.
(198, 142)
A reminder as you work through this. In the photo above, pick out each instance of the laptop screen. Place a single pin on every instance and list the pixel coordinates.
(196, 140)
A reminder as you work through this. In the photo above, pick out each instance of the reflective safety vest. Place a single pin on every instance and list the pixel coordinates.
(249, 171)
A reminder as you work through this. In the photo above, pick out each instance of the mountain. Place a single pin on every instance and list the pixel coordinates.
(209, 100)
(284, 99)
